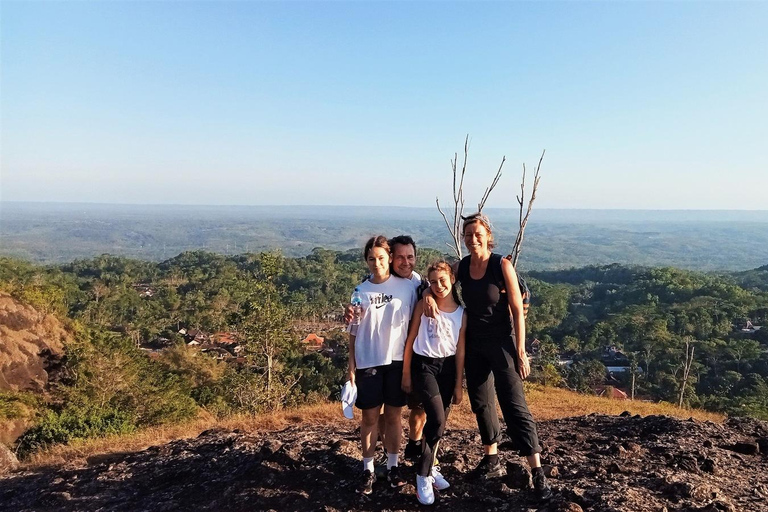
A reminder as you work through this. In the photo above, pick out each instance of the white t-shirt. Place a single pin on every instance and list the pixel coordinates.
(438, 337)
(387, 307)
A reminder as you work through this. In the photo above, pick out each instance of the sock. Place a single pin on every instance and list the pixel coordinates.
(368, 464)
(537, 470)
(493, 459)
(391, 460)
(417, 442)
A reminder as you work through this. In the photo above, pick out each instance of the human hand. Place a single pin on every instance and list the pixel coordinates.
(349, 314)
(430, 307)
(406, 383)
(351, 375)
(458, 394)
(523, 366)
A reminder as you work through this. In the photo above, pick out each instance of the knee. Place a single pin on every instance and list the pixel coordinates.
(392, 414)
(370, 420)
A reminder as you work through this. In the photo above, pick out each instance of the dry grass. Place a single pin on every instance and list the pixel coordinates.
(545, 404)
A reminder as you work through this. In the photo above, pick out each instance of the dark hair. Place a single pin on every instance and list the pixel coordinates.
(376, 241)
(402, 240)
(444, 266)
(484, 221)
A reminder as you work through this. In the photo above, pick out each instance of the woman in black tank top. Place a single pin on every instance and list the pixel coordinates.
(496, 362)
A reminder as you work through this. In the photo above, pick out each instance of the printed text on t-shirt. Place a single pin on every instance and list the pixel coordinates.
(381, 300)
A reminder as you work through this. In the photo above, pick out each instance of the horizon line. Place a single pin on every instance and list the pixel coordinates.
(198, 205)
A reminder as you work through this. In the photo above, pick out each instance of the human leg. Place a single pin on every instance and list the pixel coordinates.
(394, 400)
(433, 431)
(521, 426)
(482, 397)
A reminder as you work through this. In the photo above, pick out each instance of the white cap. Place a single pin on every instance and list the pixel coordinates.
(348, 397)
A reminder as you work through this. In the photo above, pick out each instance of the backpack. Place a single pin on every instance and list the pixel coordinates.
(524, 290)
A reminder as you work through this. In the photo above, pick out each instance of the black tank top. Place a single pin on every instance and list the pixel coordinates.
(485, 300)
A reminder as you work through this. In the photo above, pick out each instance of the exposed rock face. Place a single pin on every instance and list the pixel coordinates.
(597, 463)
(30, 344)
(8, 461)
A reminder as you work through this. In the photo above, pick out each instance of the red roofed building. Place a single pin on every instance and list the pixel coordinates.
(313, 342)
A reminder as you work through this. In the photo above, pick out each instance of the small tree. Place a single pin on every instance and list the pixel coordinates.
(685, 368)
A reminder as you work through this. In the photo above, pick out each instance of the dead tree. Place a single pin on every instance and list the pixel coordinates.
(686, 369)
(523, 219)
(454, 224)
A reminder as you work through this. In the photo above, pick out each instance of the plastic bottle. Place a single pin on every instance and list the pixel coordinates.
(357, 307)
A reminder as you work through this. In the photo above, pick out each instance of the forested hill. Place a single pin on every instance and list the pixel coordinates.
(641, 321)
(555, 239)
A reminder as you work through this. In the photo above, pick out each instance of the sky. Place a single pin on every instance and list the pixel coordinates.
(639, 105)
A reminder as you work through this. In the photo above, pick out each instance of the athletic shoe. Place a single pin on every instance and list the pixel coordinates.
(541, 487)
(367, 479)
(395, 480)
(439, 481)
(424, 491)
(487, 470)
(412, 450)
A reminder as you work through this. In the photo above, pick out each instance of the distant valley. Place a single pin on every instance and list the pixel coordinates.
(555, 239)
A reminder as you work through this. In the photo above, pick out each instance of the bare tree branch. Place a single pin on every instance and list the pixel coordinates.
(458, 200)
(518, 247)
(488, 190)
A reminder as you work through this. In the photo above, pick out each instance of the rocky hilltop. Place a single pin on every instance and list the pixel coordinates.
(596, 462)
(31, 350)
(31, 343)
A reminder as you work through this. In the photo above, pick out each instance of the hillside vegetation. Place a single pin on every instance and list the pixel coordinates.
(141, 353)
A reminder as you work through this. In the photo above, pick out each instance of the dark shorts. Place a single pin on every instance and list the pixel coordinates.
(380, 385)
(414, 402)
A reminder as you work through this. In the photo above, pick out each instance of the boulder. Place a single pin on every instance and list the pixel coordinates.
(8, 461)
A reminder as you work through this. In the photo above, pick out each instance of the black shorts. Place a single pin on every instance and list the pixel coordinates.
(415, 402)
(380, 385)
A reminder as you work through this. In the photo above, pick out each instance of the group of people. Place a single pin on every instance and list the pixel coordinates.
(415, 342)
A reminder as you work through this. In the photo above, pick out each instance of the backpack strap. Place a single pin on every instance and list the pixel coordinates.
(495, 264)
(498, 275)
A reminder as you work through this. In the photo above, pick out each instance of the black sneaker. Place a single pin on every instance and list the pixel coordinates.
(394, 478)
(413, 450)
(487, 470)
(541, 487)
(367, 479)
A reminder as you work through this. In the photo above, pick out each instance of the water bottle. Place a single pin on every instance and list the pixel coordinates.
(357, 307)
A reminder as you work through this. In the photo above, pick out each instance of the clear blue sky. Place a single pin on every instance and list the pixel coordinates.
(649, 105)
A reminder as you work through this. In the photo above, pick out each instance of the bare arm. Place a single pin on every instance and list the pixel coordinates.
(458, 391)
(413, 330)
(518, 318)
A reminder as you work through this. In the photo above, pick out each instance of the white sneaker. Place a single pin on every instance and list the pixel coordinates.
(424, 491)
(440, 483)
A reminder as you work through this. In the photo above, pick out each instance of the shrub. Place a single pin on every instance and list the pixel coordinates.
(69, 424)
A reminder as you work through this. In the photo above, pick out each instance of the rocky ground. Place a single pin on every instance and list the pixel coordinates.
(600, 463)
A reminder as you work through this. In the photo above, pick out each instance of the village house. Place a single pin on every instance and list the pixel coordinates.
(313, 342)
(144, 290)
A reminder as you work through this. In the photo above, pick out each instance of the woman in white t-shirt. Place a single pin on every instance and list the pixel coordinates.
(376, 349)
(432, 369)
